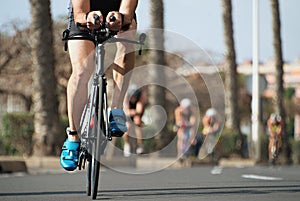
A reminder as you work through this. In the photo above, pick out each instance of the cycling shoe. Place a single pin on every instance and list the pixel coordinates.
(69, 155)
(117, 120)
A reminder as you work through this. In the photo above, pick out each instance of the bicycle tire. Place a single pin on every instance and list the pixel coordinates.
(93, 167)
(90, 115)
(88, 177)
(97, 146)
(89, 122)
(85, 131)
(95, 176)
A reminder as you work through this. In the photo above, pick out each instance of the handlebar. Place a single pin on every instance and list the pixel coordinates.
(103, 34)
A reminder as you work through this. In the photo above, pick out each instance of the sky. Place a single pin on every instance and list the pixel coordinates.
(201, 22)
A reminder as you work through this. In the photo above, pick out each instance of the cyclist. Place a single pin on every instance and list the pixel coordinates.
(137, 100)
(185, 121)
(274, 124)
(210, 123)
(210, 129)
(82, 60)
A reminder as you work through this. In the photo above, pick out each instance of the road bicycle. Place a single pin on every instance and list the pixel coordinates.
(274, 150)
(94, 124)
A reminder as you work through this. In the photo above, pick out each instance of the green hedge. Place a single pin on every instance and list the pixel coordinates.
(16, 135)
(264, 144)
(295, 151)
(17, 131)
(227, 143)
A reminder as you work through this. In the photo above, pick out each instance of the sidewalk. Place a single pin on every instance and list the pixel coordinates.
(36, 165)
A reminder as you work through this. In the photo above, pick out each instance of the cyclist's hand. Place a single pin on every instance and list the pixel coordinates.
(115, 25)
(91, 22)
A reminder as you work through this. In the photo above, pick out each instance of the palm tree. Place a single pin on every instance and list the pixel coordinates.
(231, 82)
(46, 119)
(157, 56)
(279, 89)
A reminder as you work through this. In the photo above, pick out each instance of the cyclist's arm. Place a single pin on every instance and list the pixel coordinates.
(270, 129)
(215, 125)
(269, 126)
(193, 121)
(177, 115)
(83, 15)
(279, 130)
(127, 8)
(80, 8)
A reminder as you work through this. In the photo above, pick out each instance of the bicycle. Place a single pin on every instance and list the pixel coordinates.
(94, 125)
(274, 150)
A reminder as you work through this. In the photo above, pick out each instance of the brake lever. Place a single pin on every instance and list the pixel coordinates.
(142, 39)
(96, 17)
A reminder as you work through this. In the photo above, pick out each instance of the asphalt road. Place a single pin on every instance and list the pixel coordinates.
(203, 183)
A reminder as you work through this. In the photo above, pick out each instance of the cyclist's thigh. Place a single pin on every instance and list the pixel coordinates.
(81, 55)
(123, 47)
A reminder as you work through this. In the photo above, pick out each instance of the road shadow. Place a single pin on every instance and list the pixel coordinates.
(190, 191)
(124, 194)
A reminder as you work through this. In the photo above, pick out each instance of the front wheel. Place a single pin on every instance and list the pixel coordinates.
(88, 176)
(95, 170)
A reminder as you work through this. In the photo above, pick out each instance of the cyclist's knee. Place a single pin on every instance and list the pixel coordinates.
(80, 76)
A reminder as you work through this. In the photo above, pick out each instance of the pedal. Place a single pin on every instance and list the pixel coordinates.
(81, 157)
(109, 136)
(84, 161)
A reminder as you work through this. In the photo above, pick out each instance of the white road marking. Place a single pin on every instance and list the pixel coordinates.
(216, 170)
(259, 177)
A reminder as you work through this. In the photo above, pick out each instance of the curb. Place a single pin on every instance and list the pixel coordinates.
(237, 162)
(35, 165)
(12, 166)
(51, 164)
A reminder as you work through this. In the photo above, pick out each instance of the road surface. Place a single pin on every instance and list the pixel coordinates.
(198, 183)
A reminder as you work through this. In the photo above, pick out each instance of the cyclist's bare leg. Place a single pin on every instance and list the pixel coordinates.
(271, 143)
(81, 55)
(138, 130)
(124, 63)
(179, 143)
(279, 144)
(139, 135)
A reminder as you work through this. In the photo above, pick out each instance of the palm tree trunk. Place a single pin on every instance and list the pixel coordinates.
(279, 88)
(231, 82)
(46, 119)
(157, 57)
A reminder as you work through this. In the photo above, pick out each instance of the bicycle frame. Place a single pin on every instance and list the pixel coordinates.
(273, 150)
(95, 138)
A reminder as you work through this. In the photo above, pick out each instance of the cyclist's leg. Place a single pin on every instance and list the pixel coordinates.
(279, 143)
(123, 64)
(139, 139)
(271, 142)
(179, 143)
(82, 57)
(80, 54)
(127, 147)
